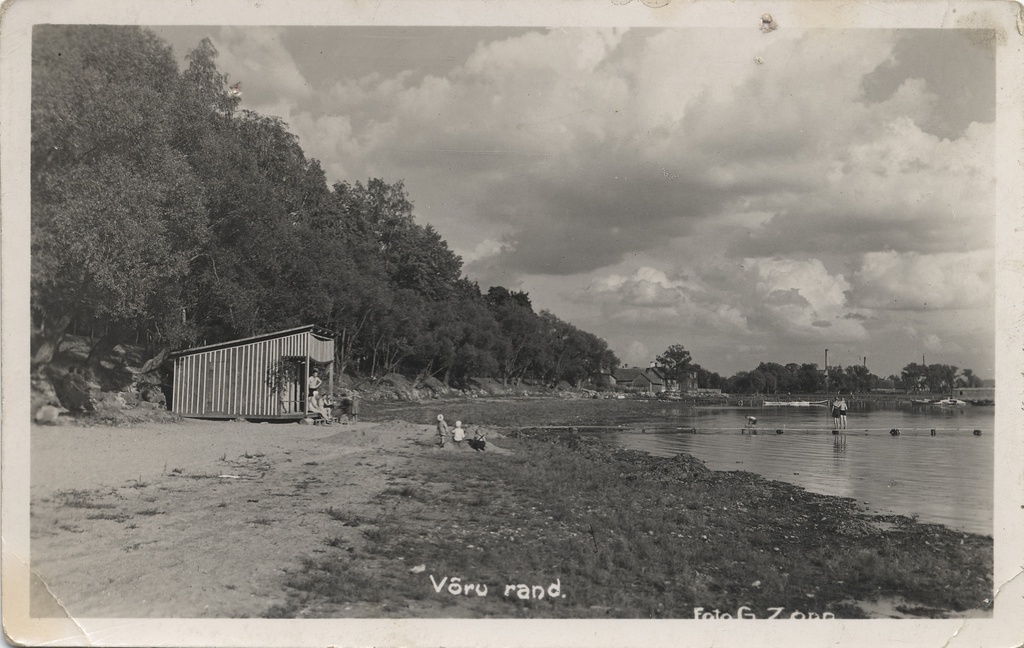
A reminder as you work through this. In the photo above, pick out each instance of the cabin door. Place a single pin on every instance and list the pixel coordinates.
(212, 385)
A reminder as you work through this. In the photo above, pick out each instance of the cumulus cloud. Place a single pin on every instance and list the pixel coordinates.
(636, 353)
(801, 299)
(913, 281)
(257, 57)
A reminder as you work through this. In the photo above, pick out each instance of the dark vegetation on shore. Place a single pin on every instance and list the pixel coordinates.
(628, 535)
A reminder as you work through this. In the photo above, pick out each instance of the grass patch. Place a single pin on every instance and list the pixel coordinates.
(406, 492)
(346, 517)
(117, 517)
(150, 512)
(80, 499)
(633, 536)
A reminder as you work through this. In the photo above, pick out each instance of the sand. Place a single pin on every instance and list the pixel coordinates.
(199, 518)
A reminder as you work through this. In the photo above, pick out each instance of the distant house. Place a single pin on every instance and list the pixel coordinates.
(688, 382)
(648, 380)
(981, 394)
(603, 378)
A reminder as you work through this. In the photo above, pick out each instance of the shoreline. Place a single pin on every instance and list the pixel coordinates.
(365, 520)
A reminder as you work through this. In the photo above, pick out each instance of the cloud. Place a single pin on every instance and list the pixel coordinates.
(637, 354)
(913, 281)
(799, 299)
(583, 146)
(257, 57)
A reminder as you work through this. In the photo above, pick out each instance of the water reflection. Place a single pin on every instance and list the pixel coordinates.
(946, 478)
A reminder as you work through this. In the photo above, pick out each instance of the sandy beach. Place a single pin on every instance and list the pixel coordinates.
(199, 518)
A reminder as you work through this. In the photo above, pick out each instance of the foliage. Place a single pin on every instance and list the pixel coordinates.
(675, 362)
(934, 378)
(163, 212)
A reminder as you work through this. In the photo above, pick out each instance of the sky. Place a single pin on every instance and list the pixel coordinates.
(754, 197)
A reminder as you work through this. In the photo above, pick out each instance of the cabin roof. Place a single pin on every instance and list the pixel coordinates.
(629, 374)
(318, 331)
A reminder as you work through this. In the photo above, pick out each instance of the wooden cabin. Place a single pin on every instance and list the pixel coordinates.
(262, 377)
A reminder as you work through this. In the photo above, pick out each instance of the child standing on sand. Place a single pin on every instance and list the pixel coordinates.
(442, 428)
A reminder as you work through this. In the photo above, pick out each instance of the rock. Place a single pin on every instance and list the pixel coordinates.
(48, 415)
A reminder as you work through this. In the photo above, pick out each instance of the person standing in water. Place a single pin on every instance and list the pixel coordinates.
(835, 414)
(842, 412)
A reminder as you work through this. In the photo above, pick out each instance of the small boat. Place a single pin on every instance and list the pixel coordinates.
(794, 403)
(941, 402)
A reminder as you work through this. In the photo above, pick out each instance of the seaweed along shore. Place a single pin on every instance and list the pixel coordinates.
(551, 524)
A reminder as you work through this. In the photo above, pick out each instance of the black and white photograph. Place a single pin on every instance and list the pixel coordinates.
(540, 324)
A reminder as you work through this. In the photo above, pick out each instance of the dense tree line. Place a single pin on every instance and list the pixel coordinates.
(163, 213)
(807, 378)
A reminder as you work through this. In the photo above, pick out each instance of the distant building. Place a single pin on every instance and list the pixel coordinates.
(649, 380)
(603, 378)
(980, 394)
(688, 382)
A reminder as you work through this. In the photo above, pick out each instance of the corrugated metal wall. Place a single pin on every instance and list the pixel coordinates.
(240, 380)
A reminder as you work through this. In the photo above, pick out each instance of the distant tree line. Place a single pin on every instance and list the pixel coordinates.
(163, 213)
(808, 378)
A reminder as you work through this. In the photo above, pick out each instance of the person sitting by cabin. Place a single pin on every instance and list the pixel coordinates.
(353, 409)
(321, 407)
(478, 442)
(327, 405)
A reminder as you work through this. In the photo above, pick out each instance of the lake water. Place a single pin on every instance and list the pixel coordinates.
(945, 479)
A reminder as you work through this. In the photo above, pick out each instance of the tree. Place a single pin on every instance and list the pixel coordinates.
(520, 342)
(118, 216)
(675, 362)
(968, 379)
(707, 379)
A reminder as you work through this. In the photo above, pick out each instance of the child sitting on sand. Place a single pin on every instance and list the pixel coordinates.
(442, 428)
(478, 442)
(458, 434)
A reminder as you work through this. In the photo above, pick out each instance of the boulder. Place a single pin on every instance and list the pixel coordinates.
(48, 415)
